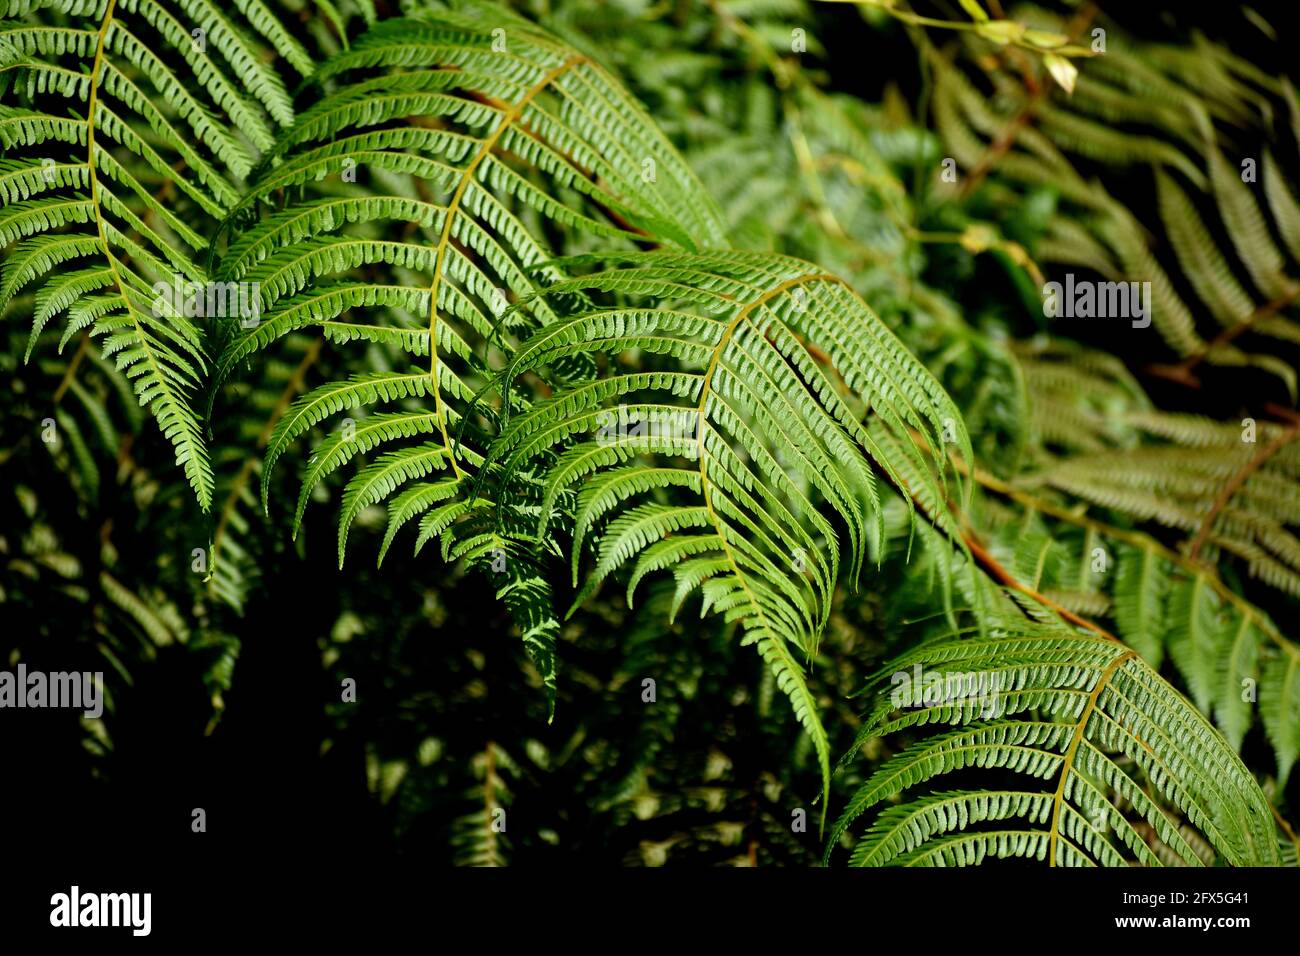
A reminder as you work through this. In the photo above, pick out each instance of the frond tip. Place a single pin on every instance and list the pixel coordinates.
(753, 425)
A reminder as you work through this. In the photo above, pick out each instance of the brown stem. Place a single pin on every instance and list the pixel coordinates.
(1181, 372)
(1006, 139)
(1237, 480)
(71, 373)
(1001, 574)
(1286, 827)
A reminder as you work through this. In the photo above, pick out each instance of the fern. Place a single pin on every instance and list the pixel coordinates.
(1162, 600)
(1191, 103)
(755, 412)
(126, 222)
(534, 137)
(1100, 742)
(508, 316)
(481, 837)
(543, 111)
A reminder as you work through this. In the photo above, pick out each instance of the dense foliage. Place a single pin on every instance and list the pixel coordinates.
(745, 479)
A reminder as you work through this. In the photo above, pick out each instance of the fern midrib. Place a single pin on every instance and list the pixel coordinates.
(706, 390)
(1182, 371)
(96, 72)
(1068, 763)
(772, 636)
(489, 798)
(453, 207)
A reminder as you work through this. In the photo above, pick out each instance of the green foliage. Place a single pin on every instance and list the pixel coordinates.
(1178, 98)
(743, 334)
(1082, 715)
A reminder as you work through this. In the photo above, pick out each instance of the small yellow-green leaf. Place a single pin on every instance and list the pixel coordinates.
(1001, 31)
(1062, 70)
(978, 237)
(975, 10)
(1046, 39)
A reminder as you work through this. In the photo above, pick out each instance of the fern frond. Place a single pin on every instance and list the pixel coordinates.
(766, 426)
(507, 119)
(482, 152)
(111, 192)
(1112, 759)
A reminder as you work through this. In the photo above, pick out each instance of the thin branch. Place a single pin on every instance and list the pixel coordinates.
(1004, 576)
(71, 373)
(1285, 827)
(291, 389)
(1181, 372)
(1236, 481)
(997, 570)
(1138, 540)
(1006, 139)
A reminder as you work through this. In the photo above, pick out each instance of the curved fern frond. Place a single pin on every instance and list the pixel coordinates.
(1115, 764)
(133, 122)
(482, 138)
(718, 464)
(515, 134)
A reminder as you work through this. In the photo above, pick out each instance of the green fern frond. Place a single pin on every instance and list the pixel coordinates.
(766, 425)
(1202, 263)
(480, 150)
(1188, 99)
(508, 116)
(1113, 761)
(110, 192)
